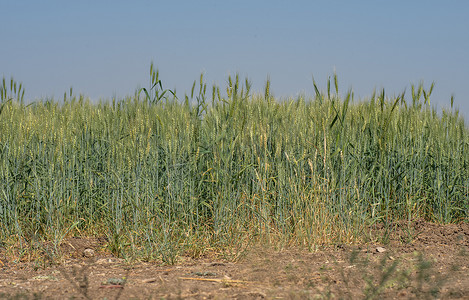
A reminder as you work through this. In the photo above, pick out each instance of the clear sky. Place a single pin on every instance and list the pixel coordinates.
(104, 48)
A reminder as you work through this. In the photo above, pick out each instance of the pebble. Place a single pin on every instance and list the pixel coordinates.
(88, 253)
(380, 249)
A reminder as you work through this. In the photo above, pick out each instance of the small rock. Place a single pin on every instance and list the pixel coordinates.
(380, 249)
(103, 261)
(256, 295)
(88, 253)
(205, 274)
(114, 281)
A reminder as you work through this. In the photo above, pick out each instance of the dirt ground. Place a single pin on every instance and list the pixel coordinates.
(420, 261)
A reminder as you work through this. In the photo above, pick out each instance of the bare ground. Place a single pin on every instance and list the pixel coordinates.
(417, 261)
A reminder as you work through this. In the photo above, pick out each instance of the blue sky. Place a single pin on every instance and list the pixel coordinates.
(104, 48)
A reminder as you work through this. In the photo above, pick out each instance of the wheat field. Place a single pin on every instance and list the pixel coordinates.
(159, 176)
